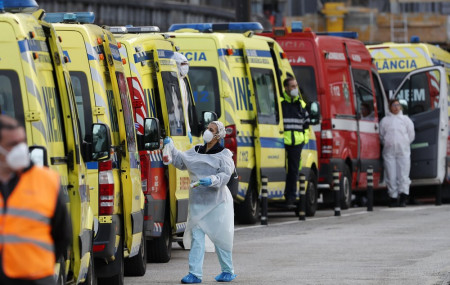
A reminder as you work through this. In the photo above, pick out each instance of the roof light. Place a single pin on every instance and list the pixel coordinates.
(19, 6)
(350, 35)
(279, 31)
(234, 27)
(297, 27)
(415, 39)
(75, 17)
(134, 30)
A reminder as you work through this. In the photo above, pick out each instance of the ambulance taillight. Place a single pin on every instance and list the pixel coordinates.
(231, 141)
(106, 188)
(145, 173)
(326, 139)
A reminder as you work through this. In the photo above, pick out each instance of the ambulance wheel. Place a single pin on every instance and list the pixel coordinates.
(247, 212)
(115, 266)
(159, 250)
(136, 265)
(345, 185)
(311, 195)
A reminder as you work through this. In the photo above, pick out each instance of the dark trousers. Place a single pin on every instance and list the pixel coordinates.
(293, 154)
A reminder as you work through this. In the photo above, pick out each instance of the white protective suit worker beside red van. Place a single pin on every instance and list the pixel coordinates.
(396, 135)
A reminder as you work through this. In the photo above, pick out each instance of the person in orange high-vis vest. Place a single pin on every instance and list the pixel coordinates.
(35, 226)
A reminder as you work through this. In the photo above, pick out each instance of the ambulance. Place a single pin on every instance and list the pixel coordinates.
(423, 106)
(154, 86)
(36, 90)
(239, 76)
(338, 71)
(102, 97)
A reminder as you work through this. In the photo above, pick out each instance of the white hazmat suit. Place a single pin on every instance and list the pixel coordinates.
(396, 135)
(183, 69)
(210, 207)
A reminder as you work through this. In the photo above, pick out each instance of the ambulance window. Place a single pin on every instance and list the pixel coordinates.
(205, 89)
(378, 97)
(174, 103)
(421, 92)
(391, 81)
(191, 112)
(306, 80)
(10, 96)
(264, 84)
(127, 112)
(83, 101)
(364, 94)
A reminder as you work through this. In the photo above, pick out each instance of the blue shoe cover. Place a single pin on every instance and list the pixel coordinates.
(190, 279)
(225, 277)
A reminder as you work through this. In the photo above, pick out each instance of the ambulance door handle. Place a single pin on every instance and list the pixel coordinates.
(281, 132)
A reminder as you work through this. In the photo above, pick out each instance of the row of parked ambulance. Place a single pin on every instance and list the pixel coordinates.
(96, 102)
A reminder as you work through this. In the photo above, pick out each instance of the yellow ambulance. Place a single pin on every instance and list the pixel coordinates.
(102, 97)
(239, 76)
(153, 81)
(36, 90)
(430, 113)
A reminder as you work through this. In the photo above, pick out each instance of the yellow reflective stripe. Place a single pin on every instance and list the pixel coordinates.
(28, 214)
(12, 239)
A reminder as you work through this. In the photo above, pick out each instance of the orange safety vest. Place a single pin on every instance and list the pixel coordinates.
(26, 243)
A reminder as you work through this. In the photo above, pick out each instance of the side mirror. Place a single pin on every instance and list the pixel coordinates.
(101, 142)
(152, 134)
(314, 113)
(38, 155)
(208, 117)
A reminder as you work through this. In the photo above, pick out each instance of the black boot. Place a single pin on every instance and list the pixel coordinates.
(403, 200)
(393, 202)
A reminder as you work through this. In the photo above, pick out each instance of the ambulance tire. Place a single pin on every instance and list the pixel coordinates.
(247, 212)
(159, 250)
(137, 265)
(311, 195)
(115, 266)
(345, 185)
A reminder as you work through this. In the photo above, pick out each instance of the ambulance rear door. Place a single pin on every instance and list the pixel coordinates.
(425, 92)
(268, 132)
(174, 123)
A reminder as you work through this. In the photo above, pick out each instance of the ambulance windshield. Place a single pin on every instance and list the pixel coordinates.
(10, 97)
(306, 80)
(174, 103)
(205, 89)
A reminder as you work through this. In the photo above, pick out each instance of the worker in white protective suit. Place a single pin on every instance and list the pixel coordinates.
(210, 203)
(396, 135)
(183, 69)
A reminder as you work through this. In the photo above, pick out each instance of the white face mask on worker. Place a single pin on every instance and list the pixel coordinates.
(208, 136)
(294, 92)
(184, 69)
(18, 157)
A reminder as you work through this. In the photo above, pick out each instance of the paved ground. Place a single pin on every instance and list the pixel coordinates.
(387, 246)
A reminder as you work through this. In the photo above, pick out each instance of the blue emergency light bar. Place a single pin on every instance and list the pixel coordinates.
(134, 30)
(75, 17)
(297, 27)
(235, 27)
(349, 35)
(19, 6)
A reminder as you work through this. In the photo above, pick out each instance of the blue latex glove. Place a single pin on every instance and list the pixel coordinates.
(205, 181)
(190, 137)
(167, 140)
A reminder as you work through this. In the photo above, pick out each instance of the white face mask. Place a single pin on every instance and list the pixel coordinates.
(208, 136)
(17, 158)
(294, 92)
(184, 69)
